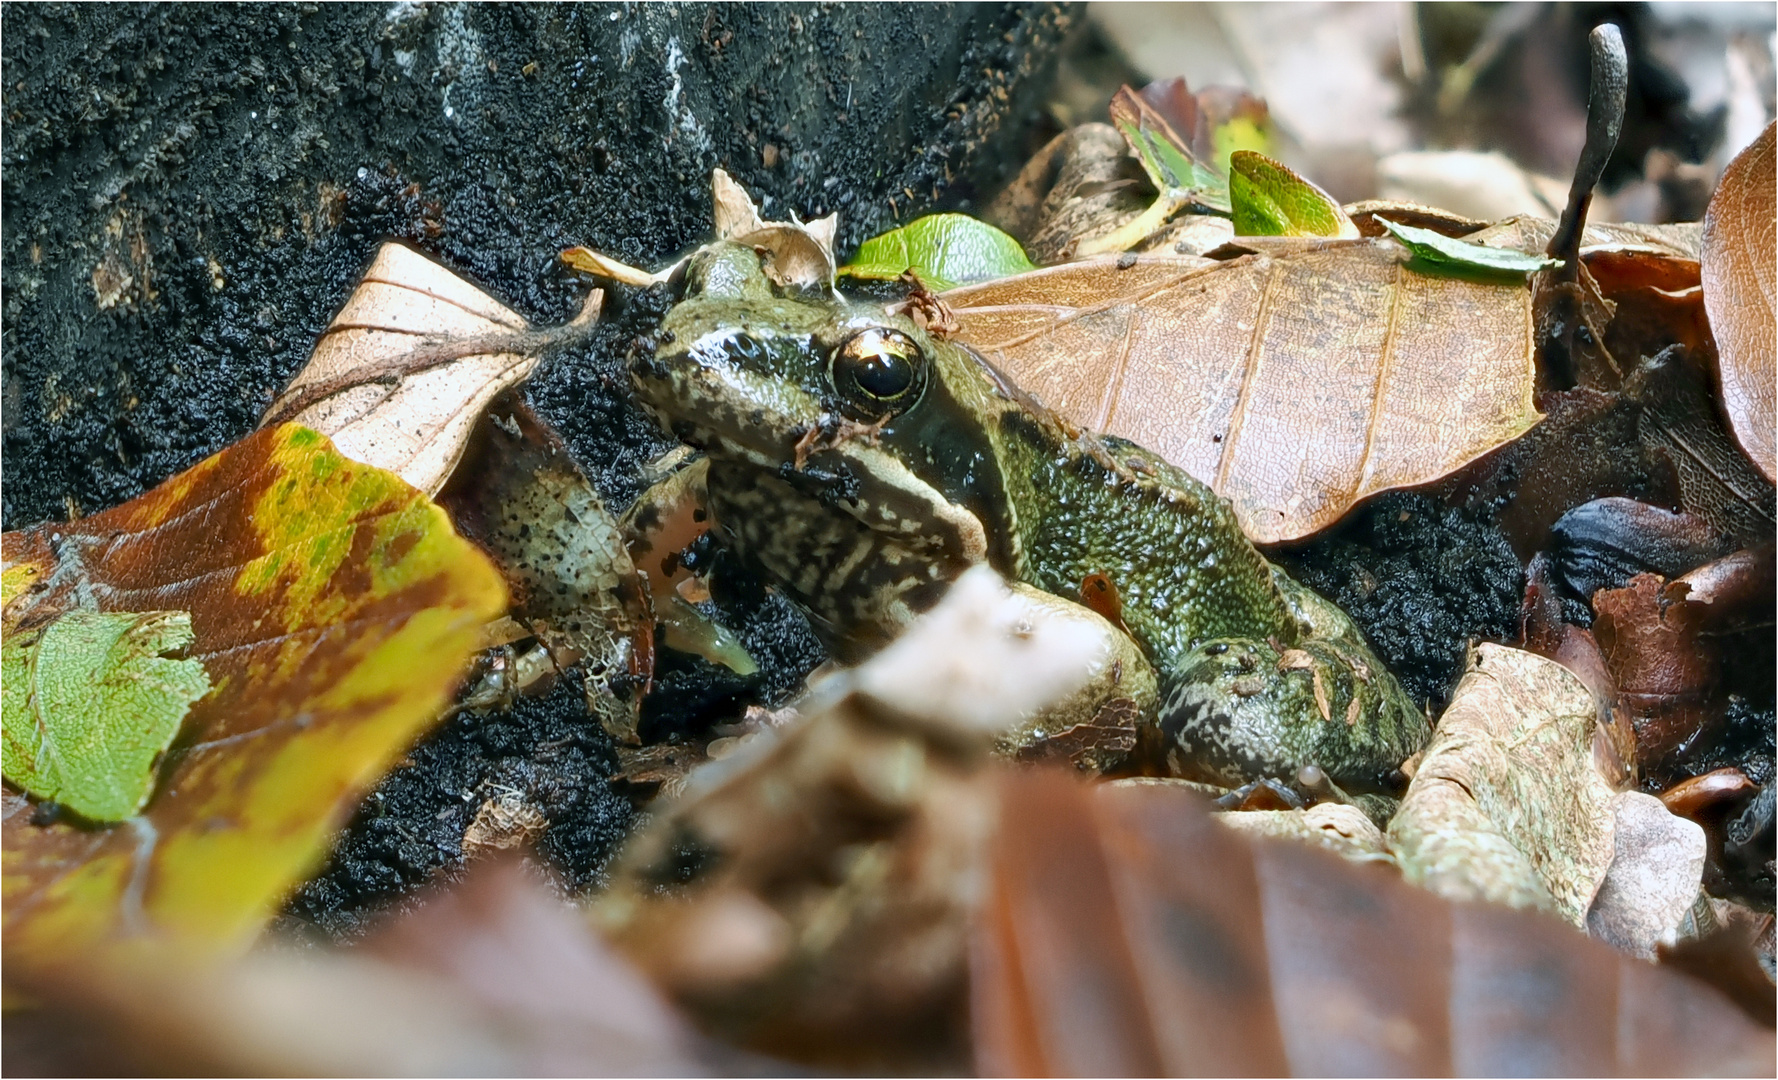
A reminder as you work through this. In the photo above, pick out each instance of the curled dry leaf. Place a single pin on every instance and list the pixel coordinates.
(332, 606)
(1125, 934)
(1740, 272)
(402, 373)
(1295, 384)
(1507, 806)
(793, 253)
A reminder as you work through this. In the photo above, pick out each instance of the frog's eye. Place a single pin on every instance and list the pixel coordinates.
(879, 368)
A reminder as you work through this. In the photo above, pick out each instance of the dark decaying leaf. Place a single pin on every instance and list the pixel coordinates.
(1667, 675)
(1293, 384)
(333, 608)
(1740, 272)
(1126, 934)
(1678, 428)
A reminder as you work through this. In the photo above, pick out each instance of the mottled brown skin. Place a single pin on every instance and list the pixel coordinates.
(866, 506)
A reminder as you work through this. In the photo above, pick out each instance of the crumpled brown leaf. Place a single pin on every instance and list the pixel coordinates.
(1506, 806)
(402, 373)
(1740, 272)
(1666, 676)
(1295, 383)
(794, 253)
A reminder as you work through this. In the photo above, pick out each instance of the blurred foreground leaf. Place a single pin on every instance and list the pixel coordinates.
(333, 607)
(945, 250)
(90, 701)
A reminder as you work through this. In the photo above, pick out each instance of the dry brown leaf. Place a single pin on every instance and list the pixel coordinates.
(1295, 383)
(401, 374)
(1507, 806)
(1739, 281)
(793, 253)
(1668, 678)
(1125, 934)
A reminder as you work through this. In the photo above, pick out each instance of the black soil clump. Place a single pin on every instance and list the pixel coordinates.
(1422, 580)
(543, 755)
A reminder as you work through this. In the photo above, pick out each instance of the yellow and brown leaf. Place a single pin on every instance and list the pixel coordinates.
(332, 606)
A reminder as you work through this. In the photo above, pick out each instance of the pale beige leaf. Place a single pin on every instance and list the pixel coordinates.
(1740, 272)
(1656, 867)
(400, 375)
(1507, 806)
(1295, 382)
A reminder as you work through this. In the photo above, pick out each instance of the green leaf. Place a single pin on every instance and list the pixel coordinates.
(333, 606)
(1271, 199)
(90, 701)
(945, 250)
(1171, 167)
(1438, 253)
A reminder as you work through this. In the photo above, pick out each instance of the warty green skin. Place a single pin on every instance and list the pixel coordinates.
(865, 518)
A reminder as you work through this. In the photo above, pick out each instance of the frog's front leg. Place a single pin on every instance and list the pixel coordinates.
(1097, 728)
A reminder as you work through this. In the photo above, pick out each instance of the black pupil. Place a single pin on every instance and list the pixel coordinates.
(883, 374)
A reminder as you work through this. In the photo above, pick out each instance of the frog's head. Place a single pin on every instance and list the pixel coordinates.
(857, 411)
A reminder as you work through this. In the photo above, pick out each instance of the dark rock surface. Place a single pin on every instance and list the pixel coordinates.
(191, 190)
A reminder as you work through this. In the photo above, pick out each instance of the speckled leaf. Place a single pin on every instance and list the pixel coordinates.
(333, 608)
(91, 700)
(1507, 805)
(1740, 273)
(1438, 252)
(1268, 198)
(1295, 384)
(945, 250)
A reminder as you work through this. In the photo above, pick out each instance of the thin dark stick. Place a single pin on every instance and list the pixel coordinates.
(1605, 119)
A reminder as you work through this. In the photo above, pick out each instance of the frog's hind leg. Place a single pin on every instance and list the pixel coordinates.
(1236, 710)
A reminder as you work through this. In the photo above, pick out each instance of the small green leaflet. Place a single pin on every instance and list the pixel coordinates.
(1270, 199)
(90, 701)
(945, 250)
(1443, 254)
(1180, 177)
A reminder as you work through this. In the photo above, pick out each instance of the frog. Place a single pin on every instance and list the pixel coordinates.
(861, 459)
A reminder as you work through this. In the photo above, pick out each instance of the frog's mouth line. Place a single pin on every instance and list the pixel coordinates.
(841, 467)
